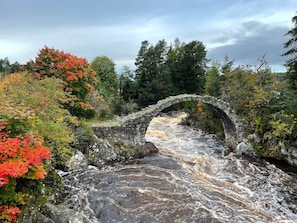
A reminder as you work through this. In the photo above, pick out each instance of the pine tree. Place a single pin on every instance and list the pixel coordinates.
(291, 63)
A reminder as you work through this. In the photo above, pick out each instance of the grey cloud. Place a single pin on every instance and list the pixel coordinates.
(247, 49)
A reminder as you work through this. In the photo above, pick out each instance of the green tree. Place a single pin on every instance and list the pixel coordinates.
(152, 75)
(127, 84)
(238, 88)
(227, 65)
(213, 80)
(5, 68)
(265, 103)
(108, 82)
(187, 64)
(162, 71)
(291, 46)
(15, 67)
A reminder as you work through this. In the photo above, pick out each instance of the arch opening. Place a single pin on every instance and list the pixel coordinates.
(229, 128)
(220, 107)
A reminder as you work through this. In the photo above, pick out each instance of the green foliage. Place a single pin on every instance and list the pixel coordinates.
(108, 82)
(152, 77)
(83, 136)
(213, 80)
(291, 47)
(283, 115)
(128, 85)
(266, 102)
(205, 118)
(282, 126)
(187, 65)
(33, 106)
(247, 90)
(100, 105)
(21, 163)
(163, 71)
(7, 68)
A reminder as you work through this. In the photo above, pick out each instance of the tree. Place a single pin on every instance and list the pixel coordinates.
(291, 63)
(79, 79)
(227, 65)
(127, 84)
(213, 80)
(152, 74)
(31, 121)
(15, 67)
(187, 64)
(5, 66)
(238, 88)
(108, 83)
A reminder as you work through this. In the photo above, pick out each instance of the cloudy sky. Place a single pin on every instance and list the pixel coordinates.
(242, 29)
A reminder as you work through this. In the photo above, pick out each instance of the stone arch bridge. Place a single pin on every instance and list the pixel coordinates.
(130, 131)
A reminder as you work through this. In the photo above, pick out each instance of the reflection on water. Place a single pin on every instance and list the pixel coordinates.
(188, 181)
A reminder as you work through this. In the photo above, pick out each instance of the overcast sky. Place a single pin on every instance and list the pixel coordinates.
(242, 29)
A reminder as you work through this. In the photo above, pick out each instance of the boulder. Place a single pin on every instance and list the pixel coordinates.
(245, 148)
(77, 161)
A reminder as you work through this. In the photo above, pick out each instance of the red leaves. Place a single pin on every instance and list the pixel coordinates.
(74, 71)
(13, 168)
(9, 213)
(51, 62)
(20, 157)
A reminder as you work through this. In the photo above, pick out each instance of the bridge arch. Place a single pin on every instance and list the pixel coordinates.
(131, 131)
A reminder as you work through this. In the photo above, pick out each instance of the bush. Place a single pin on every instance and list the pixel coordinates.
(33, 106)
(20, 158)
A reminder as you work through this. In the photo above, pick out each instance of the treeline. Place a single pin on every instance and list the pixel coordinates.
(7, 68)
(266, 99)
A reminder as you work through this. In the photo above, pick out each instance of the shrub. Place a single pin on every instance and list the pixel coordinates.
(21, 157)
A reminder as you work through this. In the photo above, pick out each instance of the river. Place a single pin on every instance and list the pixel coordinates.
(188, 181)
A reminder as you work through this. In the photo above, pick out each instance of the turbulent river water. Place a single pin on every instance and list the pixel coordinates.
(188, 181)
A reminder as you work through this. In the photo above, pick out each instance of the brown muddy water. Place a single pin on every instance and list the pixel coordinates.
(188, 181)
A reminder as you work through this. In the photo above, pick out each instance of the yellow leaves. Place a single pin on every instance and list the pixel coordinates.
(281, 127)
(36, 172)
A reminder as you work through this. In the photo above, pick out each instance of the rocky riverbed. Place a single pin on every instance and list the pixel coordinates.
(189, 180)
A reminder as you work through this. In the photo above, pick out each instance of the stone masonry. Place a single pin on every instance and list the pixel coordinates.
(130, 132)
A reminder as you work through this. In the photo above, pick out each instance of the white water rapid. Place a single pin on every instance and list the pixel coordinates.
(188, 181)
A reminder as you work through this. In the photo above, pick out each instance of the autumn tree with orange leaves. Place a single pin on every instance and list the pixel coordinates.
(79, 79)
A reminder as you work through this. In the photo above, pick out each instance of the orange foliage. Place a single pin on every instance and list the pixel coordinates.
(199, 106)
(9, 213)
(19, 156)
(74, 71)
(65, 66)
